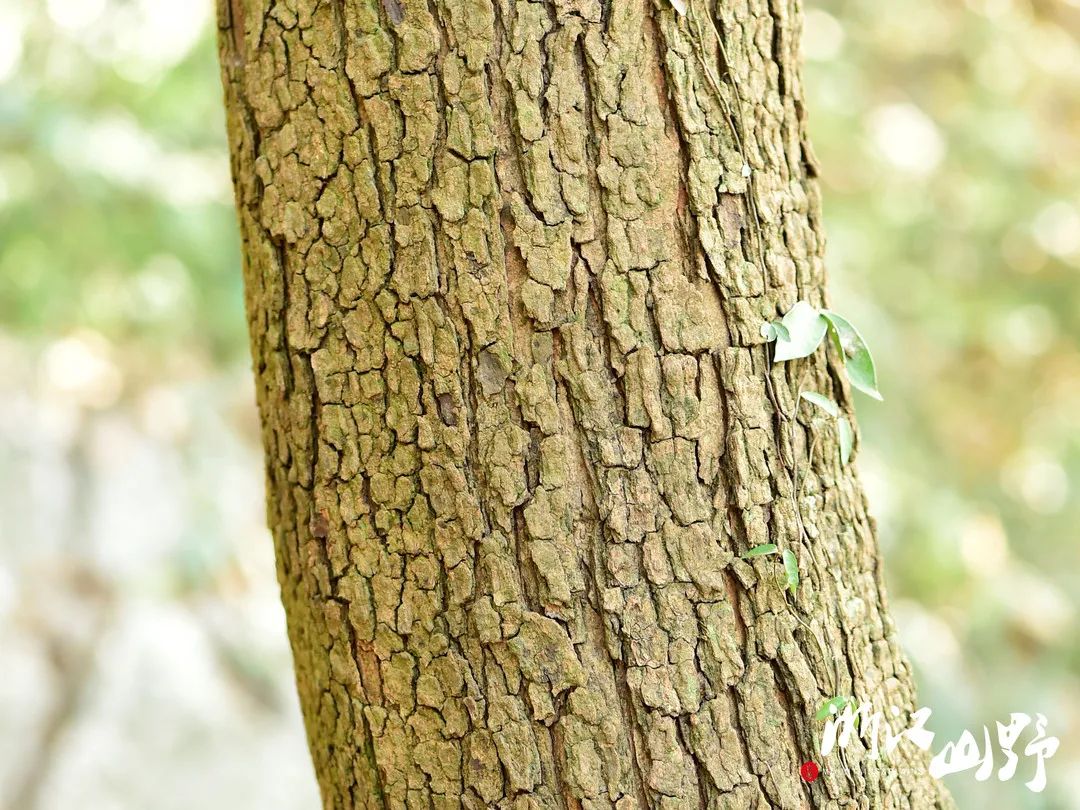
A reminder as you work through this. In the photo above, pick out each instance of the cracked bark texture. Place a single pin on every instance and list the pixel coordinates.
(504, 296)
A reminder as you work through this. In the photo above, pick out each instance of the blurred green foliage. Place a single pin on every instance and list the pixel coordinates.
(142, 641)
(949, 141)
(116, 208)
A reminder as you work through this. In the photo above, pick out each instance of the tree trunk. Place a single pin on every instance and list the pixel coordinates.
(506, 267)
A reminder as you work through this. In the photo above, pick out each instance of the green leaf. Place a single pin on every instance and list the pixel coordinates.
(774, 329)
(822, 402)
(826, 711)
(757, 551)
(847, 439)
(791, 570)
(806, 329)
(857, 358)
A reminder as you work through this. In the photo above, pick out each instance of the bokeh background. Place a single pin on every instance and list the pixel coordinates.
(143, 660)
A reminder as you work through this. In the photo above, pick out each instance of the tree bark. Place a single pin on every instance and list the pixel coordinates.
(505, 271)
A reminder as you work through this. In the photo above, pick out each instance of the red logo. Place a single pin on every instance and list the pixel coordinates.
(809, 771)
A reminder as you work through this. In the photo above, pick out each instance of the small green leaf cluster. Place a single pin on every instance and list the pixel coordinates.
(845, 433)
(799, 333)
(834, 706)
(791, 563)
